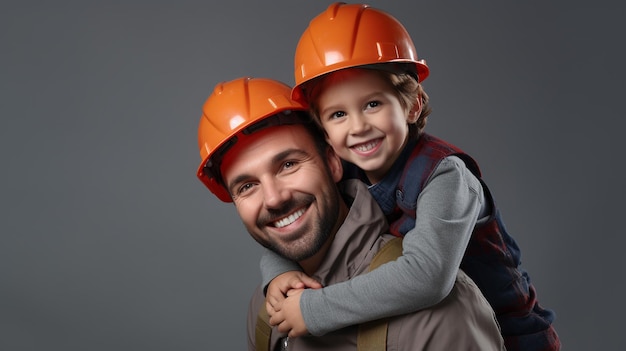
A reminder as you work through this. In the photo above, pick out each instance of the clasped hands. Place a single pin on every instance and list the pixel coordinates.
(282, 302)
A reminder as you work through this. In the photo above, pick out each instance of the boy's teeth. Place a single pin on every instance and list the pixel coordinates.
(289, 219)
(366, 146)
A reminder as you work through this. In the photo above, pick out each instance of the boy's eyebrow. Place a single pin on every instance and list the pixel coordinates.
(335, 107)
(372, 95)
(279, 157)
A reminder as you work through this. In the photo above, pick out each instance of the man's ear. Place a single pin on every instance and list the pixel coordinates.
(334, 164)
(415, 111)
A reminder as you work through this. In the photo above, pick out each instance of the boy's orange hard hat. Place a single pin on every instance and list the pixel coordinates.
(233, 110)
(349, 35)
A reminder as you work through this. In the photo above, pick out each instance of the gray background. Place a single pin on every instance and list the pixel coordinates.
(108, 241)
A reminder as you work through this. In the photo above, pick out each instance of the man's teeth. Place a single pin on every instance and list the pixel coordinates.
(366, 146)
(289, 219)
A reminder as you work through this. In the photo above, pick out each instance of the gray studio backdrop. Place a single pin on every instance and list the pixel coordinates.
(108, 241)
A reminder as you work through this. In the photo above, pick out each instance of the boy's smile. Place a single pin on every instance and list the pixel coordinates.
(367, 148)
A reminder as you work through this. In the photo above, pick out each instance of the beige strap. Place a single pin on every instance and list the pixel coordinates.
(263, 330)
(389, 252)
(373, 335)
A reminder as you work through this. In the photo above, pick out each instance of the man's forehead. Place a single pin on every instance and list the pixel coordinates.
(268, 142)
(294, 133)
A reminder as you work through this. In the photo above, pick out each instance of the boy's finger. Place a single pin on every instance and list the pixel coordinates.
(311, 283)
(293, 292)
(270, 308)
(297, 284)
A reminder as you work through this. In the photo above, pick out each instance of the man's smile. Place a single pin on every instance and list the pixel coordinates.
(289, 219)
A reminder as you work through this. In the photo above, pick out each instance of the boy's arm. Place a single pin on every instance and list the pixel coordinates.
(273, 265)
(447, 210)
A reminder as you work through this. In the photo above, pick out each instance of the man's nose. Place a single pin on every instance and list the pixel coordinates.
(274, 193)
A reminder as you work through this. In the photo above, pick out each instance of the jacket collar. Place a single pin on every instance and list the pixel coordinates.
(352, 245)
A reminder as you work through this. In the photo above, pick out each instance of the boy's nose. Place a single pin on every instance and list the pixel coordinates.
(358, 124)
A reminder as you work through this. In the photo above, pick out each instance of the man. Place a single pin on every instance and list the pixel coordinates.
(261, 151)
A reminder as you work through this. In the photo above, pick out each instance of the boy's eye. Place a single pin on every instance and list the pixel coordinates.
(373, 104)
(337, 114)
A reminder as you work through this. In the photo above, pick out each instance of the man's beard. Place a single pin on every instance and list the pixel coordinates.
(312, 237)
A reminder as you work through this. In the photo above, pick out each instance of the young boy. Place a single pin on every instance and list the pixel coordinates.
(357, 69)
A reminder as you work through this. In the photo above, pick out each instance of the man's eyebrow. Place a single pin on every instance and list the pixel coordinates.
(238, 179)
(279, 157)
(289, 153)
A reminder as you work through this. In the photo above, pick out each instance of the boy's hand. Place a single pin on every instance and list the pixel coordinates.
(288, 316)
(279, 286)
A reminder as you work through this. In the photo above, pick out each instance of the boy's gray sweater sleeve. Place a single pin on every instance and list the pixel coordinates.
(272, 265)
(447, 210)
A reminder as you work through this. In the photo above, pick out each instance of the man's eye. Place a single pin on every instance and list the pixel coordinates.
(242, 189)
(289, 164)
